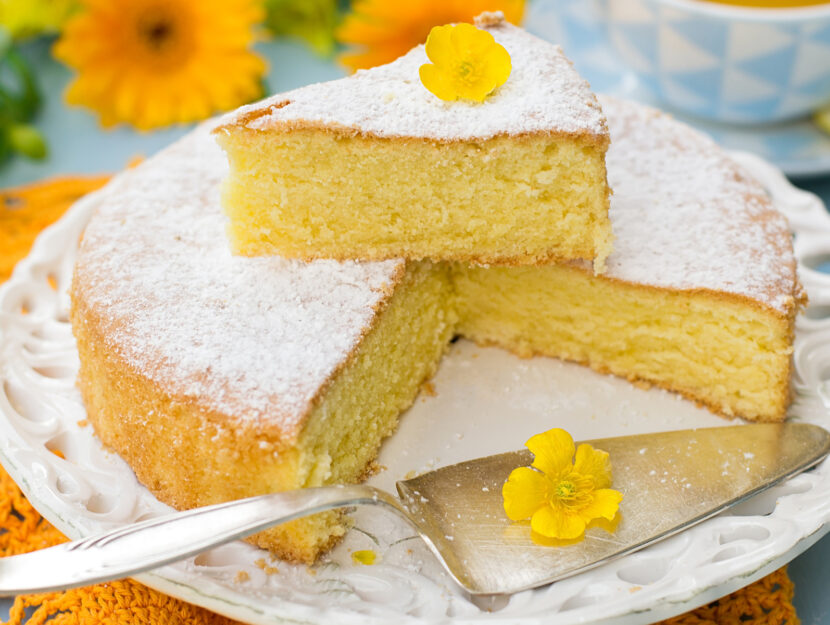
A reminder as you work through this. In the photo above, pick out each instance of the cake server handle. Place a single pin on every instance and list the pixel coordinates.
(155, 542)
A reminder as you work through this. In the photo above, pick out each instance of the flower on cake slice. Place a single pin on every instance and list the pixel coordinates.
(467, 63)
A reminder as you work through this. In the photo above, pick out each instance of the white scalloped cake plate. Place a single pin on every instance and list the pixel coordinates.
(486, 401)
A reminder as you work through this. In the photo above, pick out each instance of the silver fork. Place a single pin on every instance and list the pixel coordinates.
(670, 481)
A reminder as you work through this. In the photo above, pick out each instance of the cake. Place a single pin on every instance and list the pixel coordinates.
(218, 376)
(375, 167)
(700, 293)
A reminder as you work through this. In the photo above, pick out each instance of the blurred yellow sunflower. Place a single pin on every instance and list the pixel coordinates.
(380, 31)
(151, 63)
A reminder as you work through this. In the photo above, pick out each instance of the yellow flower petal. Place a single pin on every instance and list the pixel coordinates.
(469, 42)
(524, 492)
(437, 82)
(475, 92)
(498, 66)
(557, 523)
(595, 463)
(604, 503)
(553, 451)
(364, 556)
(440, 47)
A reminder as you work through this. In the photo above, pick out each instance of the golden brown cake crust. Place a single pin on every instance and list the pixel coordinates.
(478, 259)
(245, 121)
(185, 455)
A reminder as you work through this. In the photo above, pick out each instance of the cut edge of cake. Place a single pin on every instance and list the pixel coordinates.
(751, 382)
(189, 454)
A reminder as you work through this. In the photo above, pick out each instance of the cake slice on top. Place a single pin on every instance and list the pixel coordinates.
(374, 166)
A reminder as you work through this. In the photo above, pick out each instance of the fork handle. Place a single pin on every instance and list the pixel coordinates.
(153, 543)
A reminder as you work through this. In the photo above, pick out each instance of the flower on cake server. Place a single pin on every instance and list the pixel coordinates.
(564, 489)
(466, 63)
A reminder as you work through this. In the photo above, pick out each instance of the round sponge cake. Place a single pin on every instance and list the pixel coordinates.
(219, 377)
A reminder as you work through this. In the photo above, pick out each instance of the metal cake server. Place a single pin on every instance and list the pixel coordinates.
(670, 481)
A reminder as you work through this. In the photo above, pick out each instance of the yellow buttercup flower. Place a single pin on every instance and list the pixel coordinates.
(379, 31)
(466, 63)
(561, 494)
(152, 63)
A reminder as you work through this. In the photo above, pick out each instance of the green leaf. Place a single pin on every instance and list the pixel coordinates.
(5, 148)
(30, 96)
(19, 94)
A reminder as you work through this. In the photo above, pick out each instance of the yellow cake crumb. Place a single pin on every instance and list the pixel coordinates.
(267, 568)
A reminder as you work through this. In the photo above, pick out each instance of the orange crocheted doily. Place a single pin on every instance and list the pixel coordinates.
(24, 212)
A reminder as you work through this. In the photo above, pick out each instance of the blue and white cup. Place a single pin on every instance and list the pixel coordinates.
(720, 62)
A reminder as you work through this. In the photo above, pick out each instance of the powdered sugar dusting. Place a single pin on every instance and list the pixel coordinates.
(249, 337)
(543, 94)
(685, 215)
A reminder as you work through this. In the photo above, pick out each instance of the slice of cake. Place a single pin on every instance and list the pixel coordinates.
(218, 376)
(700, 294)
(374, 166)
